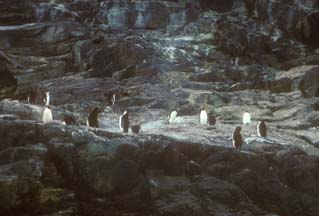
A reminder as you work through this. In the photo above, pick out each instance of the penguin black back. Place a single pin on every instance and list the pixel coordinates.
(125, 121)
(262, 129)
(211, 119)
(32, 96)
(69, 120)
(136, 129)
(92, 119)
(237, 138)
(110, 98)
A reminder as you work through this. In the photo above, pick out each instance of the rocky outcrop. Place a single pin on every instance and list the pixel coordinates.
(157, 56)
(146, 14)
(309, 29)
(300, 78)
(154, 171)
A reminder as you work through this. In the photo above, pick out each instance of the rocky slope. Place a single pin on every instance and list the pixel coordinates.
(157, 56)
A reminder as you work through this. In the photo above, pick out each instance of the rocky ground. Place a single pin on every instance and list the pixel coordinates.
(157, 56)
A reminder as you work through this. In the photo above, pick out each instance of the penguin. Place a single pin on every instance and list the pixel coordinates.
(171, 118)
(203, 117)
(32, 97)
(246, 118)
(110, 99)
(69, 120)
(237, 138)
(47, 98)
(124, 122)
(262, 129)
(211, 120)
(93, 118)
(47, 115)
(136, 129)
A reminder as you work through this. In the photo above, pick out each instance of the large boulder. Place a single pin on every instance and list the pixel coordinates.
(117, 56)
(309, 29)
(145, 14)
(309, 85)
(45, 12)
(303, 78)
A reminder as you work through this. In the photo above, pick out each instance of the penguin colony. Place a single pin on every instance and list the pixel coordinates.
(92, 120)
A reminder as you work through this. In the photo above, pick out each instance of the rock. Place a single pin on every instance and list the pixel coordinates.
(8, 83)
(144, 14)
(15, 154)
(73, 89)
(19, 193)
(124, 176)
(309, 83)
(19, 133)
(296, 79)
(117, 56)
(45, 12)
(9, 117)
(127, 151)
(15, 12)
(125, 73)
(208, 77)
(223, 191)
(241, 86)
(309, 29)
(192, 168)
(42, 33)
(159, 56)
(220, 7)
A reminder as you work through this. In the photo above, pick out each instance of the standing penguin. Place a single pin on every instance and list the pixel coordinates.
(237, 138)
(93, 118)
(262, 129)
(110, 98)
(32, 97)
(47, 115)
(171, 118)
(246, 118)
(47, 98)
(124, 122)
(136, 129)
(211, 119)
(203, 117)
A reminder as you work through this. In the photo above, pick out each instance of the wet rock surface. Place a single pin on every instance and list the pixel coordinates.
(155, 57)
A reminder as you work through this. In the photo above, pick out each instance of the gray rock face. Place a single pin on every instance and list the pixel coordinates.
(145, 14)
(309, 83)
(227, 57)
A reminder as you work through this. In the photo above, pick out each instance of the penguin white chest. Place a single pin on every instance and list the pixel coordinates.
(172, 117)
(120, 122)
(47, 115)
(47, 99)
(246, 118)
(203, 117)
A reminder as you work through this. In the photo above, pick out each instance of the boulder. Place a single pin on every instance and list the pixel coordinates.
(309, 29)
(309, 84)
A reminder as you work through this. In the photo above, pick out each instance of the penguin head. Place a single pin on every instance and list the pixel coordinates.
(95, 110)
(173, 114)
(202, 109)
(238, 129)
(125, 112)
